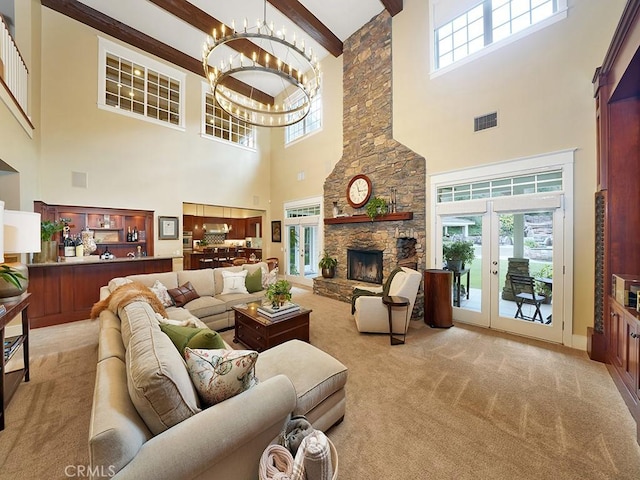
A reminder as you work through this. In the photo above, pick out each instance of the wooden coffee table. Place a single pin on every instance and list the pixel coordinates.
(259, 332)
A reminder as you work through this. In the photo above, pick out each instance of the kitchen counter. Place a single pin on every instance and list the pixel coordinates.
(65, 291)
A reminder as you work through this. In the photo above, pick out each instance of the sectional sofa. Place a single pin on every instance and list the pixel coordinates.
(147, 419)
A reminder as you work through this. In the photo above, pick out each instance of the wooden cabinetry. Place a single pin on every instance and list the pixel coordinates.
(110, 226)
(614, 336)
(624, 352)
(438, 309)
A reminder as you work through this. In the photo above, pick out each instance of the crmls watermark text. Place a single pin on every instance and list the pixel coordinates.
(85, 471)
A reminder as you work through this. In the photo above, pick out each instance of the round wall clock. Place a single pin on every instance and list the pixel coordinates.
(359, 191)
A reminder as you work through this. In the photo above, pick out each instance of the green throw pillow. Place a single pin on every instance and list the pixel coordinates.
(253, 282)
(183, 337)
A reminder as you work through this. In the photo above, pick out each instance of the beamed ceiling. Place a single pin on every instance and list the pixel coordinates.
(175, 30)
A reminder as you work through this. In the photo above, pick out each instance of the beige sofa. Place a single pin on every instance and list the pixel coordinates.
(147, 421)
(213, 308)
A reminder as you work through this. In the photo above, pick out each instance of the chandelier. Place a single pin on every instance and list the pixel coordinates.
(284, 66)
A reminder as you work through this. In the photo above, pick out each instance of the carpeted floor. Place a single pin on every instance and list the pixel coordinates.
(461, 403)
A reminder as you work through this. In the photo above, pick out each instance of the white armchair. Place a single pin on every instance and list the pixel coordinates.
(371, 314)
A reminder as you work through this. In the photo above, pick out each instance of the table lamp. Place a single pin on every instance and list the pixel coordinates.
(21, 235)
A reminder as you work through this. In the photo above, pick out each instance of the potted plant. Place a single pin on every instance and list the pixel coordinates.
(12, 282)
(49, 247)
(457, 254)
(376, 206)
(328, 265)
(278, 293)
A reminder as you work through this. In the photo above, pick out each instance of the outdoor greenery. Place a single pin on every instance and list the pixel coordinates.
(279, 292)
(376, 206)
(11, 276)
(546, 271)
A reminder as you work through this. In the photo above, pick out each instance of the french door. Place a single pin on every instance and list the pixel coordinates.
(513, 232)
(302, 236)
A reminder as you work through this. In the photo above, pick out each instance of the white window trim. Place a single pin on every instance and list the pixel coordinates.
(105, 46)
(561, 14)
(203, 125)
(303, 137)
(308, 134)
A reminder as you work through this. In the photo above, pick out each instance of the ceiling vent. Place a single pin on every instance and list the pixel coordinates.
(483, 122)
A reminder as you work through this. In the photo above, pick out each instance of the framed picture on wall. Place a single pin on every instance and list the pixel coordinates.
(276, 231)
(168, 228)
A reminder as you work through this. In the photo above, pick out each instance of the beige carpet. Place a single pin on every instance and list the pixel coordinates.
(462, 403)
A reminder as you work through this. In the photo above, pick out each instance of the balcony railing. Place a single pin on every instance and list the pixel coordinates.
(13, 70)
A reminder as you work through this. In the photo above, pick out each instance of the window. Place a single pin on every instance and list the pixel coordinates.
(502, 187)
(219, 124)
(312, 122)
(138, 86)
(486, 23)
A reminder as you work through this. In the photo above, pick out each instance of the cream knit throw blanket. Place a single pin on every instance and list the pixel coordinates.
(312, 462)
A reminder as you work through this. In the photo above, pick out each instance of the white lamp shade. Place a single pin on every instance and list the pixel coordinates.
(21, 232)
(1, 228)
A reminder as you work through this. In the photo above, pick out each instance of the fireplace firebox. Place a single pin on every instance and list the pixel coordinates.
(364, 265)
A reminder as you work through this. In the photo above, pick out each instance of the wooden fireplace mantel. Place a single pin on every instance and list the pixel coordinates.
(387, 217)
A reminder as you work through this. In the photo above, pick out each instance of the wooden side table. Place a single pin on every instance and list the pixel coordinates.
(9, 381)
(438, 311)
(392, 301)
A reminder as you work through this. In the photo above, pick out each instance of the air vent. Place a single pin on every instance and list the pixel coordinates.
(483, 122)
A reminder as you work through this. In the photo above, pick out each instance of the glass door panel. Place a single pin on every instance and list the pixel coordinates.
(302, 253)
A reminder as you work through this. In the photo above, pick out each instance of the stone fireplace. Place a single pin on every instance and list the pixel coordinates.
(369, 148)
(364, 265)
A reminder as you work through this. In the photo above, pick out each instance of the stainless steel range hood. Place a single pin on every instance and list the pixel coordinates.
(216, 228)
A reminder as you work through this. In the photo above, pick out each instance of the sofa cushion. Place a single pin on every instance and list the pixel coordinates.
(221, 374)
(162, 293)
(217, 277)
(202, 280)
(203, 307)
(191, 337)
(136, 316)
(234, 282)
(253, 282)
(169, 279)
(183, 294)
(158, 382)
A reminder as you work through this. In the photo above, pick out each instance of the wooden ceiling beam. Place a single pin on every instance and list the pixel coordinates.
(110, 26)
(298, 14)
(393, 6)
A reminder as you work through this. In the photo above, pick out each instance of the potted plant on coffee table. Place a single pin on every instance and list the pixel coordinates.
(278, 293)
(328, 265)
(458, 254)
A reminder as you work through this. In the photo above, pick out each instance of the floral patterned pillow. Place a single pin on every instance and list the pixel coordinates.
(221, 374)
(162, 293)
(269, 277)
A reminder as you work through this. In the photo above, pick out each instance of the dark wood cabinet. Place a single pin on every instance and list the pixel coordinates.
(614, 336)
(110, 226)
(438, 308)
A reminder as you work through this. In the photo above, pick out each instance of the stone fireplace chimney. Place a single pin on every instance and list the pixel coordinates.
(369, 148)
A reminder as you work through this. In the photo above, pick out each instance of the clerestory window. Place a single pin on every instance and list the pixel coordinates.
(138, 86)
(460, 34)
(220, 125)
(310, 123)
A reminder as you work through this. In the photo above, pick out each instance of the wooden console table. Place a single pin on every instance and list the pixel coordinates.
(9, 381)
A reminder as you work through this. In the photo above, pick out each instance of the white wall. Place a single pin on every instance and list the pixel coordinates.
(131, 163)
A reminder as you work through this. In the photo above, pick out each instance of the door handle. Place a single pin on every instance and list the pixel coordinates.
(495, 272)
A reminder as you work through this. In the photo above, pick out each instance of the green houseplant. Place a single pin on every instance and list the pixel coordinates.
(376, 206)
(278, 293)
(457, 254)
(49, 246)
(328, 265)
(11, 276)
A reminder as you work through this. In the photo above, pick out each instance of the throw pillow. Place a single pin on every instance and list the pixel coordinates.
(162, 293)
(254, 281)
(221, 374)
(183, 337)
(184, 294)
(234, 282)
(269, 277)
